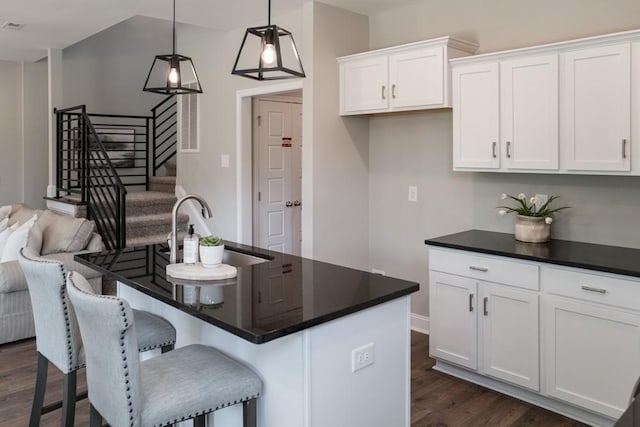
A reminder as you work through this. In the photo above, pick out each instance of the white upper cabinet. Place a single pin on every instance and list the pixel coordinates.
(417, 78)
(414, 76)
(365, 85)
(529, 112)
(596, 108)
(476, 116)
(562, 108)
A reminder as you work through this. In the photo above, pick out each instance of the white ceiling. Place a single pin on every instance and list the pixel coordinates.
(60, 23)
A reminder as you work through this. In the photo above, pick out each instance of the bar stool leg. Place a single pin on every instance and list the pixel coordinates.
(95, 419)
(199, 421)
(249, 413)
(38, 395)
(69, 399)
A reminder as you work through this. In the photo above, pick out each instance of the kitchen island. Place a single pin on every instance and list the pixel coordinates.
(302, 325)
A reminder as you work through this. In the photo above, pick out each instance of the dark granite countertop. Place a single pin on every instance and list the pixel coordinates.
(609, 259)
(267, 300)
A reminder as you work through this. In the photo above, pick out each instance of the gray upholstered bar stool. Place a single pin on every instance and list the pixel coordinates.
(58, 337)
(188, 382)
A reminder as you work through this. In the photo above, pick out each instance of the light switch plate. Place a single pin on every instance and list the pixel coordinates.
(224, 160)
(413, 193)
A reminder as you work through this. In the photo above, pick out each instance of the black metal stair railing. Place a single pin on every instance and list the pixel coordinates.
(164, 130)
(100, 156)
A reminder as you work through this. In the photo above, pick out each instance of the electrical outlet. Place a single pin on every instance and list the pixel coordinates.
(362, 357)
(413, 193)
(224, 160)
(542, 199)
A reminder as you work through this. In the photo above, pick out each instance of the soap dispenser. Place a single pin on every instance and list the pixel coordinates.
(190, 247)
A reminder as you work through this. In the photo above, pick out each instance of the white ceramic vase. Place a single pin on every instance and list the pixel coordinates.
(211, 256)
(532, 229)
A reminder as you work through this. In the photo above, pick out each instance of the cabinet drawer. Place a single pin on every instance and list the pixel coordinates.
(592, 287)
(485, 267)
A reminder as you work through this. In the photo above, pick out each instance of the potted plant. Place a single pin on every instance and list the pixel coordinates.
(211, 250)
(533, 223)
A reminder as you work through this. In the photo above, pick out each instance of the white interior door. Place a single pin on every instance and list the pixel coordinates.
(278, 175)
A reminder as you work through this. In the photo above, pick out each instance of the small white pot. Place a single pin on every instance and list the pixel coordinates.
(532, 229)
(211, 256)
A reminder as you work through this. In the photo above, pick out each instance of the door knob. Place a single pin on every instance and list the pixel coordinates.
(288, 204)
(297, 203)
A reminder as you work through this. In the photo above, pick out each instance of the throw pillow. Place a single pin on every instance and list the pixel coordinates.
(63, 233)
(4, 236)
(5, 211)
(18, 240)
(4, 224)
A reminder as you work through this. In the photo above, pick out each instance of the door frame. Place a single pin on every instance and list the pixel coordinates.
(244, 156)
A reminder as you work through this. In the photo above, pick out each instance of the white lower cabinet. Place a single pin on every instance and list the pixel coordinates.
(486, 327)
(592, 347)
(569, 337)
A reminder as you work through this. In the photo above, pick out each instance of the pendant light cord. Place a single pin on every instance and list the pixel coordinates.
(174, 26)
(269, 20)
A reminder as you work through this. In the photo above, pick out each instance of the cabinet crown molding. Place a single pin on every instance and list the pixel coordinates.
(458, 44)
(556, 47)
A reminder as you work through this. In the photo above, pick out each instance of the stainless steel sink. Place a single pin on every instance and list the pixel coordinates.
(240, 260)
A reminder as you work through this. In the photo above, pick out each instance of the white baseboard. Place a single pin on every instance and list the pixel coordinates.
(419, 323)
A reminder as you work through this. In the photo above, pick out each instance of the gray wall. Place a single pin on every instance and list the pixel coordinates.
(340, 146)
(36, 133)
(11, 143)
(604, 208)
(107, 71)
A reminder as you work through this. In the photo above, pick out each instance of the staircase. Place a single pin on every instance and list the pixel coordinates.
(148, 218)
(130, 204)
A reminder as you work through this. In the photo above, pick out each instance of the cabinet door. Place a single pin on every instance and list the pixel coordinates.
(529, 112)
(592, 354)
(363, 85)
(510, 335)
(452, 306)
(476, 123)
(596, 108)
(417, 78)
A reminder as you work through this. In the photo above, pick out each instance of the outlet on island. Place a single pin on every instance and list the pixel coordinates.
(362, 357)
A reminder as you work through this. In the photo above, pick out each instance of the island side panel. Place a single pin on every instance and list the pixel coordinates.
(377, 395)
(280, 363)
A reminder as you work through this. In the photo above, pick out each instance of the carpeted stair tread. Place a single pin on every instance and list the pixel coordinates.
(163, 179)
(153, 219)
(149, 202)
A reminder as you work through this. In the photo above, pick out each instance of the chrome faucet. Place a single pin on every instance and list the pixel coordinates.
(206, 212)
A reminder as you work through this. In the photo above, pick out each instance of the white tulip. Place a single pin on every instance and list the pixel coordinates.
(504, 196)
(548, 220)
(502, 212)
(533, 200)
(522, 196)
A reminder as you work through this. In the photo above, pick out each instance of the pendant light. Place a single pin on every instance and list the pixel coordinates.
(172, 74)
(268, 53)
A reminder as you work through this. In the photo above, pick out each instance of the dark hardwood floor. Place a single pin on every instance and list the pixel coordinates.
(438, 400)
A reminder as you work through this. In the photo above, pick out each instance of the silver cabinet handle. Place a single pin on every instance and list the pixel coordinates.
(383, 92)
(493, 149)
(485, 302)
(474, 268)
(508, 149)
(288, 204)
(297, 203)
(393, 91)
(470, 302)
(592, 289)
(624, 148)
